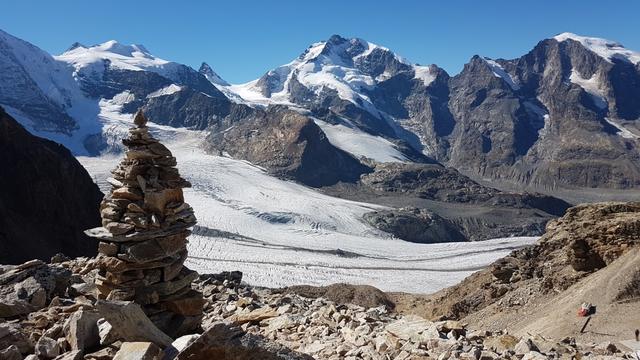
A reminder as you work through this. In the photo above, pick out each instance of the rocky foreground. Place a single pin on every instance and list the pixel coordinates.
(52, 311)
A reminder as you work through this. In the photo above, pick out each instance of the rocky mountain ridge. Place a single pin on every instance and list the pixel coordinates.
(529, 120)
(562, 115)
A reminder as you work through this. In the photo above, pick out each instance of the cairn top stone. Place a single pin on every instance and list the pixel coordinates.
(139, 119)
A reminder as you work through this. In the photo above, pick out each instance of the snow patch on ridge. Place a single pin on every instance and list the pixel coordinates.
(124, 97)
(591, 86)
(622, 131)
(606, 49)
(361, 144)
(499, 71)
(91, 61)
(424, 73)
(168, 90)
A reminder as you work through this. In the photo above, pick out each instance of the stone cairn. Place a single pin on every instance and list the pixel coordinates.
(144, 235)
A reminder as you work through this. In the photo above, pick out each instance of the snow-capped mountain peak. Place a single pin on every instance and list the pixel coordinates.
(607, 49)
(127, 57)
(75, 45)
(211, 75)
(133, 50)
(347, 66)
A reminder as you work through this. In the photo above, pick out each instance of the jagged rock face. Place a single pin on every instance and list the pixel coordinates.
(189, 108)
(559, 116)
(287, 144)
(211, 75)
(333, 79)
(419, 108)
(48, 198)
(143, 239)
(540, 119)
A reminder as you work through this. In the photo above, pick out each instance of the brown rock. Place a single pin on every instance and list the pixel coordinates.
(102, 233)
(81, 330)
(256, 315)
(222, 341)
(138, 351)
(11, 353)
(14, 335)
(139, 119)
(171, 271)
(159, 149)
(126, 193)
(71, 355)
(133, 207)
(131, 323)
(47, 348)
(157, 200)
(153, 249)
(111, 213)
(108, 249)
(189, 305)
(118, 228)
(144, 295)
(106, 353)
(116, 265)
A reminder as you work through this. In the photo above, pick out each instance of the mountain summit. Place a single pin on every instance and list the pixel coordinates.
(211, 75)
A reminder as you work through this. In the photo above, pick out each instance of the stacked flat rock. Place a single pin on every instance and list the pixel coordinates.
(144, 235)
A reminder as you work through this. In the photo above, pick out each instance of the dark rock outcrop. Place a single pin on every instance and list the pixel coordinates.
(436, 182)
(415, 225)
(287, 144)
(476, 211)
(47, 200)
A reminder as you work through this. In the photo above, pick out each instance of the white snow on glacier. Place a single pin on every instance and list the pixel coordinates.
(361, 144)
(281, 233)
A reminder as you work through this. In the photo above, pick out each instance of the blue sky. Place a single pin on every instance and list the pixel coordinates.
(243, 39)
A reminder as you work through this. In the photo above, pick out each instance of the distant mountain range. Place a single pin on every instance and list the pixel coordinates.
(566, 114)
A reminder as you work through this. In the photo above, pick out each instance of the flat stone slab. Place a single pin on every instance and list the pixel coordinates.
(104, 234)
(131, 323)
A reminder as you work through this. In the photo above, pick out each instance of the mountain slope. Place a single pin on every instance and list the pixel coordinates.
(588, 255)
(48, 198)
(34, 83)
(563, 115)
(550, 118)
